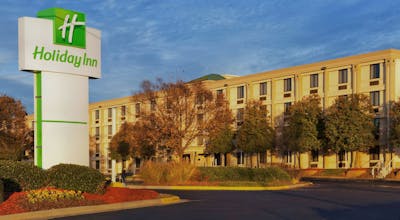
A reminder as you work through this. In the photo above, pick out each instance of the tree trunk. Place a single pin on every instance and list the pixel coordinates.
(351, 159)
(271, 156)
(258, 162)
(299, 160)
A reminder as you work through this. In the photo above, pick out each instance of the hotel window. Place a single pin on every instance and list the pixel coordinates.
(97, 164)
(314, 155)
(374, 153)
(263, 157)
(263, 88)
(97, 134)
(240, 92)
(240, 158)
(97, 115)
(109, 131)
(220, 92)
(137, 110)
(287, 107)
(239, 116)
(313, 80)
(377, 128)
(343, 76)
(97, 150)
(123, 111)
(110, 113)
(287, 86)
(375, 98)
(374, 71)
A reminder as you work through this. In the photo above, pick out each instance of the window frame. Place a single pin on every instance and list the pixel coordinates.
(109, 112)
(374, 71)
(375, 98)
(240, 92)
(314, 83)
(341, 74)
(263, 88)
(123, 110)
(287, 85)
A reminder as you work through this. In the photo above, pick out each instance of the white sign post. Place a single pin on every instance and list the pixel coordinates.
(63, 54)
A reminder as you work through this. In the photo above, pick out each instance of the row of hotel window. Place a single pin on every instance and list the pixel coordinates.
(342, 74)
(123, 112)
(287, 86)
(374, 97)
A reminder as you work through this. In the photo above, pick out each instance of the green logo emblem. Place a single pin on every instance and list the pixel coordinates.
(68, 26)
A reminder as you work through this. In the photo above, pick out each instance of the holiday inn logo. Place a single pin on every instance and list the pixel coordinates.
(68, 26)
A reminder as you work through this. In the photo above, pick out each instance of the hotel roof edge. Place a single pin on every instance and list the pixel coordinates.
(332, 63)
(310, 67)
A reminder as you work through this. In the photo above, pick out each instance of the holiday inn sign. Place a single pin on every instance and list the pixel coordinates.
(58, 40)
(63, 54)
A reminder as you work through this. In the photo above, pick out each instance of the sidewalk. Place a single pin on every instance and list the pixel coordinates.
(223, 188)
(83, 210)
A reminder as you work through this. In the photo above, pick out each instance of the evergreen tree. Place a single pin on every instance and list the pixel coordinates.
(301, 131)
(255, 135)
(348, 125)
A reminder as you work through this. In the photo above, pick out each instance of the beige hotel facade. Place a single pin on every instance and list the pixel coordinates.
(376, 74)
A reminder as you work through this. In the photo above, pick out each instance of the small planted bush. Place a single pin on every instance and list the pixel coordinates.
(264, 176)
(167, 173)
(18, 176)
(76, 177)
(51, 194)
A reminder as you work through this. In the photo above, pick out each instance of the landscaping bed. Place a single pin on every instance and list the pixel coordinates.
(154, 173)
(25, 187)
(51, 198)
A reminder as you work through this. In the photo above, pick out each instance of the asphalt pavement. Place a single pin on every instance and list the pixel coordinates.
(323, 200)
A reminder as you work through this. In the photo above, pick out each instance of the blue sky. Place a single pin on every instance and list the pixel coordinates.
(186, 39)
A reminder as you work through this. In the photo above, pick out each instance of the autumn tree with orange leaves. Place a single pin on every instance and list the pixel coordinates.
(15, 137)
(179, 113)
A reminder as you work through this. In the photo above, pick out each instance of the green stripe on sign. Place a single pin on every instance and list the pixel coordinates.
(38, 114)
(67, 122)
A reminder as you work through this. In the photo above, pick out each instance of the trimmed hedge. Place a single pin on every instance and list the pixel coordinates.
(17, 176)
(260, 175)
(76, 177)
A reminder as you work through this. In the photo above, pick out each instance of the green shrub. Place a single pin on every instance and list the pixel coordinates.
(1, 191)
(167, 173)
(76, 177)
(265, 176)
(18, 176)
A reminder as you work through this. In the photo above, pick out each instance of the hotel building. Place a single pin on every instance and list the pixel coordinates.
(376, 74)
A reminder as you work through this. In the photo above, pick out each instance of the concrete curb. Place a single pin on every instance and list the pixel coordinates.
(344, 179)
(83, 210)
(225, 188)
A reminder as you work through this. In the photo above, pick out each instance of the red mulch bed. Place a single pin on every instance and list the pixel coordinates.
(18, 202)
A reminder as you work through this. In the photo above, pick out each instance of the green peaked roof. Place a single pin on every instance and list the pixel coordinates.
(212, 76)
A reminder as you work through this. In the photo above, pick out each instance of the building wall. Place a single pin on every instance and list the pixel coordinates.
(328, 87)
